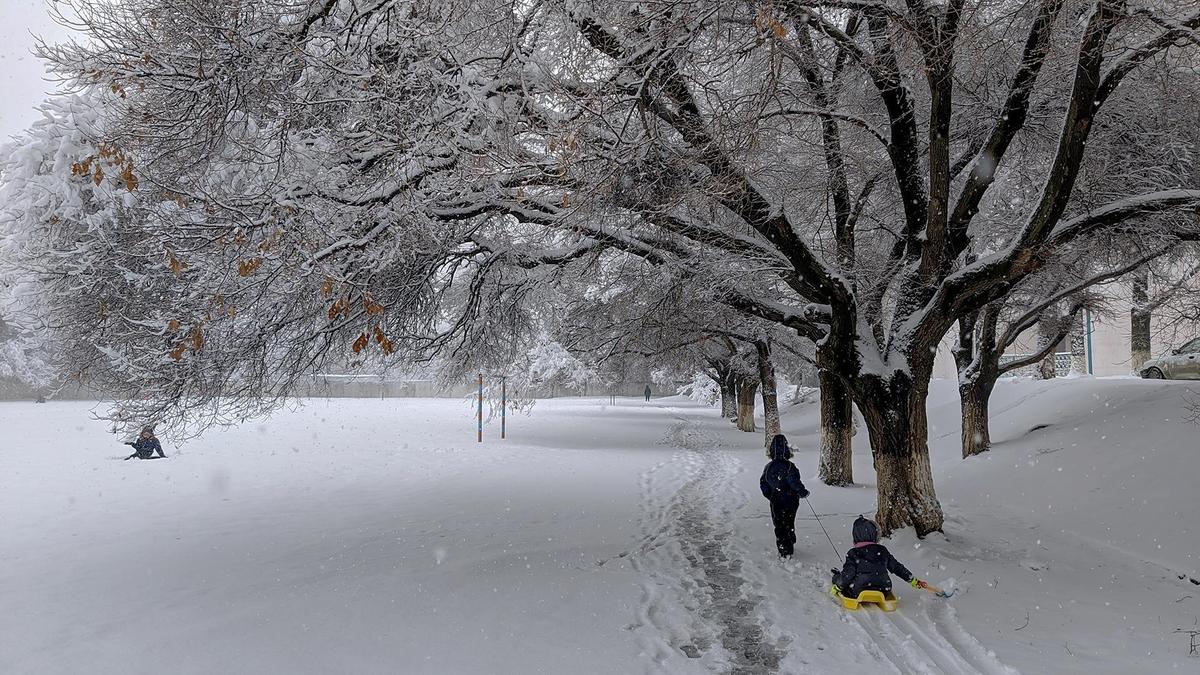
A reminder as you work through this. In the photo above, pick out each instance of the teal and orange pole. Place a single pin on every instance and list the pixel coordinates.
(503, 405)
(479, 410)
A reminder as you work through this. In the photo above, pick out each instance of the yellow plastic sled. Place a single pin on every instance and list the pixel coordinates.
(886, 602)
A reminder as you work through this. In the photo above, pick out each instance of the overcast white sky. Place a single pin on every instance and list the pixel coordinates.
(22, 83)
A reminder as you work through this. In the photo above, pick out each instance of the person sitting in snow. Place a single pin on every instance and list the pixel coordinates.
(869, 563)
(780, 483)
(146, 445)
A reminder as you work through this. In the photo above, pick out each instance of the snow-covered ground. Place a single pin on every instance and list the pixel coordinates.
(363, 536)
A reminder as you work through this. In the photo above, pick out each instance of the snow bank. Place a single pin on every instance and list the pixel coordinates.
(376, 536)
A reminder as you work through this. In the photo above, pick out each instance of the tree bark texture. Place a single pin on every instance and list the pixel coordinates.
(725, 382)
(897, 422)
(1047, 329)
(977, 357)
(837, 428)
(974, 396)
(1078, 345)
(747, 389)
(1139, 322)
(770, 397)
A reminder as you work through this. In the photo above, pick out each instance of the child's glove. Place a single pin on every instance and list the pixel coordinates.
(917, 583)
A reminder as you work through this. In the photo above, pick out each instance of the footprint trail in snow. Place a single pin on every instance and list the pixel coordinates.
(697, 601)
(705, 596)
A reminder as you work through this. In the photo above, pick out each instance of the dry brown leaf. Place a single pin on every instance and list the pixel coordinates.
(361, 343)
(372, 307)
(249, 266)
(384, 343)
(336, 309)
(177, 266)
(131, 181)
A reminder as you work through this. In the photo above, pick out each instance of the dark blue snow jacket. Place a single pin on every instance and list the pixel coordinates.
(868, 567)
(780, 480)
(146, 447)
(869, 564)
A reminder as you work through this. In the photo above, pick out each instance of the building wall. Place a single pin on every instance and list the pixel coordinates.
(1110, 340)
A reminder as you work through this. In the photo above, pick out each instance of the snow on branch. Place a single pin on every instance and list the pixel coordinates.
(1184, 29)
(1121, 211)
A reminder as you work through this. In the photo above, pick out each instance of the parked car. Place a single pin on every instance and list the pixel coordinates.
(1180, 364)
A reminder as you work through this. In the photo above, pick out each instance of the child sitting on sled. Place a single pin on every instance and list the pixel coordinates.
(869, 563)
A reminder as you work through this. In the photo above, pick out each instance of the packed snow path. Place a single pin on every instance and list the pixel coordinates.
(690, 556)
(705, 594)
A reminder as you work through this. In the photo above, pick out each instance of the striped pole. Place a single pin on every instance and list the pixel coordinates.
(503, 405)
(479, 412)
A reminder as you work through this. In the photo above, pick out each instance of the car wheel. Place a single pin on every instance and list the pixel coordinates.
(1153, 374)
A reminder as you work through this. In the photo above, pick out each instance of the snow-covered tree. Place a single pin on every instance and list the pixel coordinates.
(1050, 301)
(402, 178)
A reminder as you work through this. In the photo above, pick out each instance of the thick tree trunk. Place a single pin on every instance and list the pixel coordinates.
(1078, 345)
(974, 396)
(747, 388)
(1047, 330)
(837, 428)
(728, 401)
(725, 384)
(1139, 322)
(978, 359)
(897, 422)
(770, 398)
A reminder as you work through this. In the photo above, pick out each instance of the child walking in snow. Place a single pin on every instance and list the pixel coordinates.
(869, 563)
(781, 484)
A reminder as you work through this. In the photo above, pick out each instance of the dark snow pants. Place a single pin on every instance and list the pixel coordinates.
(783, 515)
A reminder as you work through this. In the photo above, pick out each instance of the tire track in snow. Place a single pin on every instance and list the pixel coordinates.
(698, 600)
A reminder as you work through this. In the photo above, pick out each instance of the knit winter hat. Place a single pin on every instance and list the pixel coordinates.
(865, 530)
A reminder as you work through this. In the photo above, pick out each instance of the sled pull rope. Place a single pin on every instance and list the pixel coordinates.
(836, 555)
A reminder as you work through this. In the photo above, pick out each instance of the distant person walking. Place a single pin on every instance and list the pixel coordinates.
(780, 483)
(146, 445)
(647, 393)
